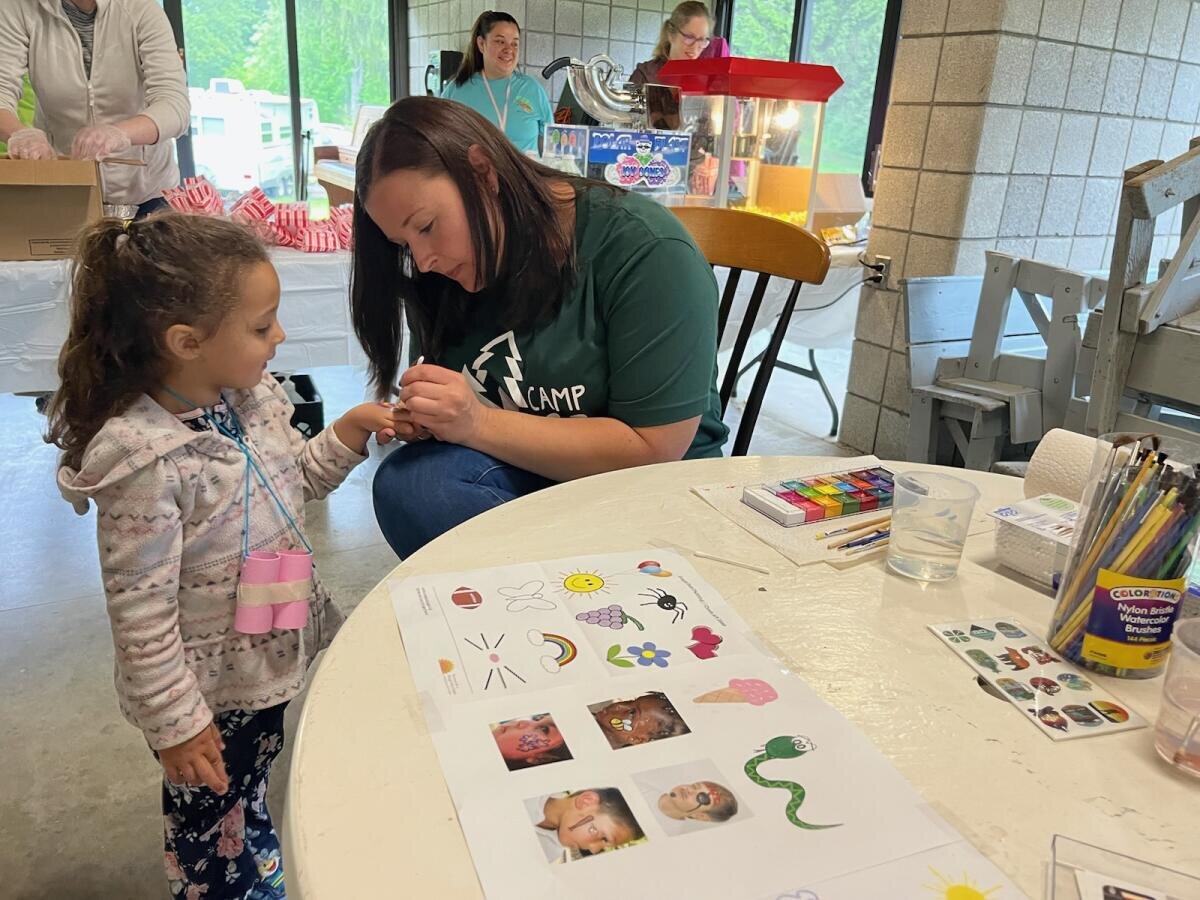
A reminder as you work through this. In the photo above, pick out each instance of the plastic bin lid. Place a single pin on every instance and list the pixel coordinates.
(737, 76)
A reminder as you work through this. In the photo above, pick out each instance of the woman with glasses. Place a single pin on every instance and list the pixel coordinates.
(687, 34)
(489, 83)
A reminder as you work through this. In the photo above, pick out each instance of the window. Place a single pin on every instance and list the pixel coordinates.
(846, 34)
(230, 84)
(343, 56)
(762, 29)
(242, 80)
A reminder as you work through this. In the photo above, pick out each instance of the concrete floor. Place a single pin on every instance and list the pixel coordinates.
(79, 814)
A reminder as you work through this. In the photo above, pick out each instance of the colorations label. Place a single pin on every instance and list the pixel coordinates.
(1131, 620)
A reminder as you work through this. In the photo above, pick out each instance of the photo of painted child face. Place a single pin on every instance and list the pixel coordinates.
(701, 801)
(524, 743)
(650, 717)
(586, 826)
(587, 822)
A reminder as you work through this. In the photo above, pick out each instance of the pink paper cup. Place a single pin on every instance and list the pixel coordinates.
(261, 567)
(290, 615)
(295, 565)
(253, 619)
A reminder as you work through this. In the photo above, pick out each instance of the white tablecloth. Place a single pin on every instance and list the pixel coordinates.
(313, 309)
(810, 326)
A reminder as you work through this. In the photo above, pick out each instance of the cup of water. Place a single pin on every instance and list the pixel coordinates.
(1177, 734)
(931, 515)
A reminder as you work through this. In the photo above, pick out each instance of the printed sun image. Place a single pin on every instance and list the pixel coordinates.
(962, 889)
(580, 584)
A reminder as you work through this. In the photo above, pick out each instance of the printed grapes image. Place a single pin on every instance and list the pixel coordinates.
(613, 617)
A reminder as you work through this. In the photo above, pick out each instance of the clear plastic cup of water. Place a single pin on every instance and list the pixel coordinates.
(931, 515)
(1177, 733)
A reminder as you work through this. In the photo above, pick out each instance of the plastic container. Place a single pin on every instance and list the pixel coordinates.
(931, 515)
(309, 417)
(1135, 541)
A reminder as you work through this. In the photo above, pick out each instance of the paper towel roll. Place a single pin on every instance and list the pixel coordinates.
(1060, 465)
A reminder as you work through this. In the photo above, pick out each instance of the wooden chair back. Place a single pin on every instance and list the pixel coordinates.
(771, 248)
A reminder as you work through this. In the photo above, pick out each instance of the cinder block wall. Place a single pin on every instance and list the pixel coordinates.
(1010, 124)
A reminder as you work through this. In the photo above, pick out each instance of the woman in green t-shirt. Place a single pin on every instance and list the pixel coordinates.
(560, 327)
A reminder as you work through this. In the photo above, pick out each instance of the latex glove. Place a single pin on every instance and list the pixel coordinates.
(30, 143)
(99, 141)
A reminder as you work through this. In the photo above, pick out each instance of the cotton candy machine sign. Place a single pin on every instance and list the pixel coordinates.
(646, 161)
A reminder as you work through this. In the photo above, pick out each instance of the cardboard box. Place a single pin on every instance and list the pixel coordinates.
(44, 204)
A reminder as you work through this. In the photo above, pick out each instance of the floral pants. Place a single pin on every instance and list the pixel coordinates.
(226, 847)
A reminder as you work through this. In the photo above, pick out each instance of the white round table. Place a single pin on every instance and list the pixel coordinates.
(368, 813)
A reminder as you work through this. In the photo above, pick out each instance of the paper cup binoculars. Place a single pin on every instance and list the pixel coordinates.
(273, 591)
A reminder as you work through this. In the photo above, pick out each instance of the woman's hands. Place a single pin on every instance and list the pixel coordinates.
(197, 761)
(99, 142)
(30, 143)
(443, 403)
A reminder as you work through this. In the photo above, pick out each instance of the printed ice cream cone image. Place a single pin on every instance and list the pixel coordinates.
(754, 691)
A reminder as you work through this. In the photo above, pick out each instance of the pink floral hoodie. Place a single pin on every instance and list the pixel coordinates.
(170, 514)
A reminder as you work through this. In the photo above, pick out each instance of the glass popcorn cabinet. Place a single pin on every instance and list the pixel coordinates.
(756, 132)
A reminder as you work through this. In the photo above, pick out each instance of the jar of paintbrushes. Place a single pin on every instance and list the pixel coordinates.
(1126, 575)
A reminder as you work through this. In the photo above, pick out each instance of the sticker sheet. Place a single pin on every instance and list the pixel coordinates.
(1060, 699)
(608, 724)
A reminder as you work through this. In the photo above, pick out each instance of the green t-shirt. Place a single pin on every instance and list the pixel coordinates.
(635, 339)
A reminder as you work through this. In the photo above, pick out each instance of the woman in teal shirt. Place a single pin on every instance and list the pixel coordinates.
(561, 327)
(489, 83)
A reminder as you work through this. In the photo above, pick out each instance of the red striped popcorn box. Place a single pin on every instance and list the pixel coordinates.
(291, 216)
(203, 196)
(252, 206)
(278, 235)
(178, 200)
(343, 219)
(319, 237)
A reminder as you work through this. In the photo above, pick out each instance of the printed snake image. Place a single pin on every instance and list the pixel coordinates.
(785, 747)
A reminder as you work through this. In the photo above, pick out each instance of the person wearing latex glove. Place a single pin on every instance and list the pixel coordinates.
(30, 143)
(99, 142)
(132, 107)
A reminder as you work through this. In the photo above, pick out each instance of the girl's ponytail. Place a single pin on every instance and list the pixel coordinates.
(129, 285)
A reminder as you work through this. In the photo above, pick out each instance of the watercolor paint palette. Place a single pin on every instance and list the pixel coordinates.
(1062, 701)
(819, 498)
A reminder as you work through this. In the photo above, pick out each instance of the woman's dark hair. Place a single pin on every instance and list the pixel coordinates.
(433, 136)
(472, 57)
(129, 285)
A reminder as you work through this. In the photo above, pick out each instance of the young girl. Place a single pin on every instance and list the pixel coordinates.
(170, 422)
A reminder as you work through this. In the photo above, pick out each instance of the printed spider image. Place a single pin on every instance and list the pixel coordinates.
(663, 600)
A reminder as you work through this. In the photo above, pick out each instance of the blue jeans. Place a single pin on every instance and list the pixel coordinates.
(424, 489)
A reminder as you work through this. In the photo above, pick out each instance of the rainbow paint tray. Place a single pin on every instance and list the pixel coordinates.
(818, 498)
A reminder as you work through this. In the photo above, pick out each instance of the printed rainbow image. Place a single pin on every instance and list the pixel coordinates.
(566, 648)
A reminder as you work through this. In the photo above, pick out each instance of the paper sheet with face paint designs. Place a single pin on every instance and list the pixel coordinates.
(609, 725)
(1063, 701)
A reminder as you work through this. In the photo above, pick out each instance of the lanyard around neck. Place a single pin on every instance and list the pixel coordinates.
(501, 117)
(235, 432)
